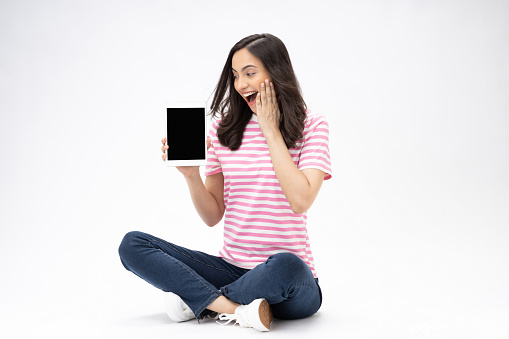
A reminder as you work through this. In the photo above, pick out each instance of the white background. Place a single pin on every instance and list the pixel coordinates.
(410, 235)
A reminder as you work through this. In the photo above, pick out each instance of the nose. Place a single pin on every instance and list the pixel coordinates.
(241, 83)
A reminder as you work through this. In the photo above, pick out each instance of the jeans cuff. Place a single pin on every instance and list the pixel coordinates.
(202, 311)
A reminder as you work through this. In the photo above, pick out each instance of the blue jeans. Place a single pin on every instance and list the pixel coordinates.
(284, 280)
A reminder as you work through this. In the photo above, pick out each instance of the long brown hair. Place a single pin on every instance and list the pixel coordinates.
(234, 111)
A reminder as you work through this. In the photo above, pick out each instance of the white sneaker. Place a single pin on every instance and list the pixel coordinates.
(257, 315)
(176, 308)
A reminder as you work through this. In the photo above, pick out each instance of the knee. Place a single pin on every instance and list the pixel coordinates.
(290, 266)
(128, 245)
(289, 260)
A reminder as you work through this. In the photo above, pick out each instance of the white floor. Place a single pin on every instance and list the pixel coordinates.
(106, 301)
(126, 318)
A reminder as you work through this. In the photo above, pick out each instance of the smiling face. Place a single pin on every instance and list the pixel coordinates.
(249, 73)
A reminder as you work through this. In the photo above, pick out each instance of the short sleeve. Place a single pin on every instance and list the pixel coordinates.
(213, 165)
(315, 150)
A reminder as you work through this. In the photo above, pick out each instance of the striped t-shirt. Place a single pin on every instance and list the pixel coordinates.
(258, 220)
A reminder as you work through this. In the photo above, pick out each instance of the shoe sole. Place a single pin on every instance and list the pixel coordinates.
(265, 314)
(171, 301)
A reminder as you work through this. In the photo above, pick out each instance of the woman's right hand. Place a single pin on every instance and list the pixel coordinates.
(187, 171)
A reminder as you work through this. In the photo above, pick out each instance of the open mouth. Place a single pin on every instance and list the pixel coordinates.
(250, 97)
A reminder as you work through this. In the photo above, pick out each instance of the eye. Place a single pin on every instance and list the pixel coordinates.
(250, 74)
(235, 77)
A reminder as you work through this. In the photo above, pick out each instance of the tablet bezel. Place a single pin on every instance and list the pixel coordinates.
(187, 104)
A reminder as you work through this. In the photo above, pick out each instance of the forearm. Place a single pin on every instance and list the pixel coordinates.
(294, 183)
(204, 202)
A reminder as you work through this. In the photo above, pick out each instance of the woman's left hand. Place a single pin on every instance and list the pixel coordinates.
(267, 108)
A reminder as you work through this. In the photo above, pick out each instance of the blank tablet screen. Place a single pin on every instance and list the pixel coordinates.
(186, 133)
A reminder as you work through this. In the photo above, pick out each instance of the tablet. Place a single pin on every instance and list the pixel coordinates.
(186, 133)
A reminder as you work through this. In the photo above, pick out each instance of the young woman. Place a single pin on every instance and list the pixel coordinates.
(267, 158)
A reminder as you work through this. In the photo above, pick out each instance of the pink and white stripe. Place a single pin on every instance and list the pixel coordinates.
(258, 220)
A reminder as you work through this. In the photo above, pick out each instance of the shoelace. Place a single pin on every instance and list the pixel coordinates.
(232, 317)
(213, 317)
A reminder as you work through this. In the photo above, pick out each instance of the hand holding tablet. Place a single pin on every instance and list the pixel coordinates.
(187, 171)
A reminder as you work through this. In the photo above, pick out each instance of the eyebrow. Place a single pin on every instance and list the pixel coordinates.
(243, 68)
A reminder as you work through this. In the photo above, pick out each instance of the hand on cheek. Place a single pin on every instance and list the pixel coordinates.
(267, 108)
